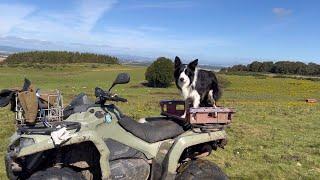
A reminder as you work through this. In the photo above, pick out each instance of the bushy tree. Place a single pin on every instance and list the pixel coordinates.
(313, 69)
(160, 73)
(255, 66)
(300, 68)
(266, 66)
(239, 67)
(288, 67)
(280, 67)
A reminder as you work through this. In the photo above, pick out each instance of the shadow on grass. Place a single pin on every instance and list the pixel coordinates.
(146, 84)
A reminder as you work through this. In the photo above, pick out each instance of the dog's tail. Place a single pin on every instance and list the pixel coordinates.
(216, 88)
(217, 91)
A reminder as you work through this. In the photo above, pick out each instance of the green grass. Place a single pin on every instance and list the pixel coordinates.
(275, 134)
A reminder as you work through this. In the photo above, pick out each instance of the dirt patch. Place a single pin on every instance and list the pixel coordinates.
(288, 157)
(140, 85)
(112, 69)
(2, 59)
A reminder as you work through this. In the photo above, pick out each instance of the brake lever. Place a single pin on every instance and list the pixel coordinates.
(113, 95)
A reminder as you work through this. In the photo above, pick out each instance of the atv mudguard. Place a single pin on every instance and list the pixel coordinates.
(43, 143)
(165, 163)
(186, 140)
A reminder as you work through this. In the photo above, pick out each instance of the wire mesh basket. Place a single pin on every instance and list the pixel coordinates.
(49, 108)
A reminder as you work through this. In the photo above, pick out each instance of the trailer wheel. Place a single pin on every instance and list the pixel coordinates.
(56, 174)
(202, 170)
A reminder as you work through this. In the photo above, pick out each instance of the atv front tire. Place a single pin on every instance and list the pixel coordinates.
(201, 170)
(56, 174)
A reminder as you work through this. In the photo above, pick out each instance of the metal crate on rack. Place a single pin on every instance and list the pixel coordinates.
(50, 108)
(201, 115)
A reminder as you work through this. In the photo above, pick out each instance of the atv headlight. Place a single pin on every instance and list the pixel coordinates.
(21, 143)
(24, 142)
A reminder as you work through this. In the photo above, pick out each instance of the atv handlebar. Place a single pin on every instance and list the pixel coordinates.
(107, 96)
(116, 98)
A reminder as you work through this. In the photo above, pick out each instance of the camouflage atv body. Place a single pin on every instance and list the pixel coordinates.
(99, 142)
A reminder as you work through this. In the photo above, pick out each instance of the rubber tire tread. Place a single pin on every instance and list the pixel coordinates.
(56, 174)
(201, 170)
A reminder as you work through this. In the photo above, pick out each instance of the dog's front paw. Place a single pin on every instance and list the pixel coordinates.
(142, 120)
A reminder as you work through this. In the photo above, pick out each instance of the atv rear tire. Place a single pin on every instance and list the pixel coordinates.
(56, 174)
(201, 170)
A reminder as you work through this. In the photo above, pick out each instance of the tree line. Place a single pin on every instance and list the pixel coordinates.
(59, 57)
(280, 67)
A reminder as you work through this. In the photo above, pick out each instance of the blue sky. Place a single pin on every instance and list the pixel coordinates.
(214, 31)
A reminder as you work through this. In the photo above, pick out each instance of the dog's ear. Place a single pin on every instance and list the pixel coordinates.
(177, 62)
(193, 64)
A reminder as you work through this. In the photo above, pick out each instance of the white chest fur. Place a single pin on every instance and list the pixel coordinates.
(188, 89)
(189, 93)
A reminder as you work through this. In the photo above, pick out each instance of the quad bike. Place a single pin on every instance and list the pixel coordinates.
(97, 141)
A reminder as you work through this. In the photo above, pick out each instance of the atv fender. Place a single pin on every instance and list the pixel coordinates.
(46, 143)
(184, 141)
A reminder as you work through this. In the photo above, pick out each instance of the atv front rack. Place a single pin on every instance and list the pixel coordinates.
(202, 115)
(49, 108)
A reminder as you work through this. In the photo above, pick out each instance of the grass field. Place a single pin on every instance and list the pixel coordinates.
(275, 134)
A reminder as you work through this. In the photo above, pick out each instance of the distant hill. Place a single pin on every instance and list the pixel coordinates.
(59, 57)
(211, 67)
(131, 58)
(11, 44)
(123, 58)
(11, 50)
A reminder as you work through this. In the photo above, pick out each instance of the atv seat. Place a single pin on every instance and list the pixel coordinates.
(154, 130)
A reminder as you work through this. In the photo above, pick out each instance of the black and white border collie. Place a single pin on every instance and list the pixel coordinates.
(198, 87)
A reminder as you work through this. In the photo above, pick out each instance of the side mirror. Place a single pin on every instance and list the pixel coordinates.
(122, 78)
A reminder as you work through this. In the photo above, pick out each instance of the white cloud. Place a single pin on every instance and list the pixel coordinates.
(151, 43)
(74, 29)
(281, 12)
(73, 25)
(12, 15)
(91, 11)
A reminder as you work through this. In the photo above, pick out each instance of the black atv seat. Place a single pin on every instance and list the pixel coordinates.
(154, 130)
